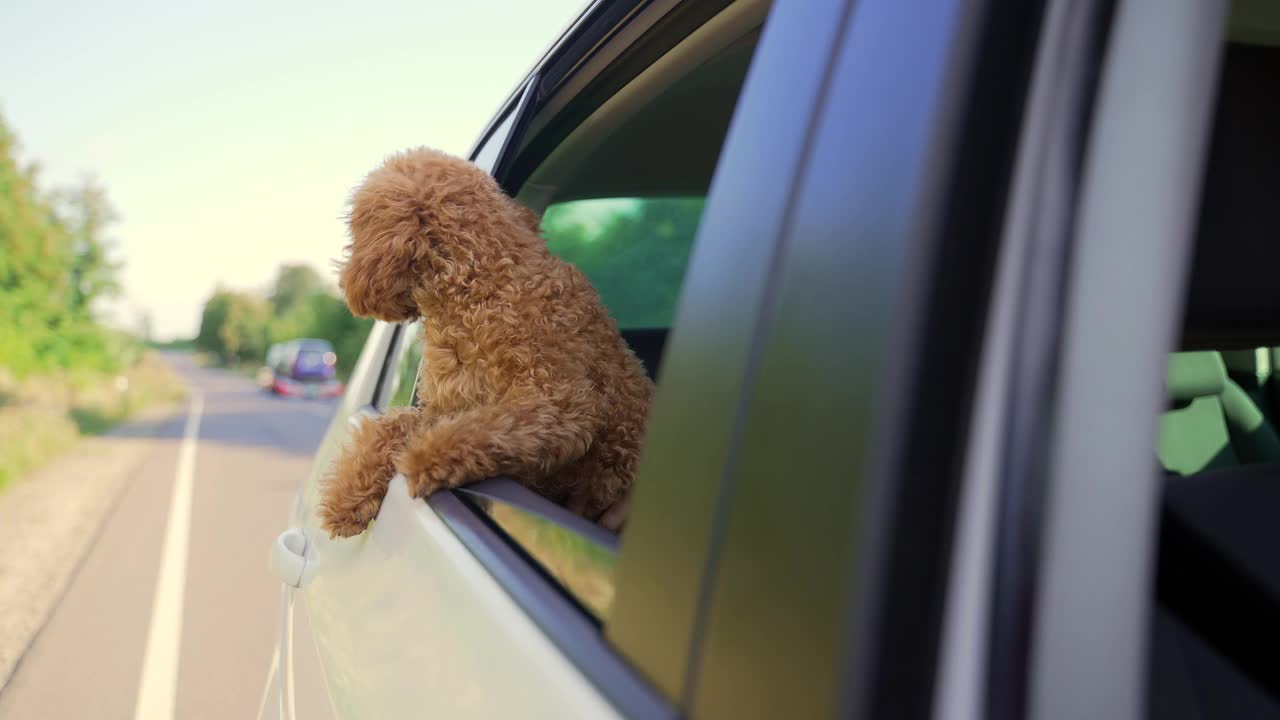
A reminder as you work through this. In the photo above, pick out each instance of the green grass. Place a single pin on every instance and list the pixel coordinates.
(43, 416)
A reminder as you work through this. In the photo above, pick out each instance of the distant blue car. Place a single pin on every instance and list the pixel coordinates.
(304, 367)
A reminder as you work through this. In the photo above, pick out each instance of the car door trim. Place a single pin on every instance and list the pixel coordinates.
(667, 557)
(981, 670)
(565, 624)
(1132, 250)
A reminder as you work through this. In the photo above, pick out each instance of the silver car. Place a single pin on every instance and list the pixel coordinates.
(907, 275)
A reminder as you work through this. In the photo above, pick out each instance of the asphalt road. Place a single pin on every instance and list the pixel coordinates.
(250, 453)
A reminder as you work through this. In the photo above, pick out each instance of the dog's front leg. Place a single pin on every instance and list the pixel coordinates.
(528, 439)
(357, 482)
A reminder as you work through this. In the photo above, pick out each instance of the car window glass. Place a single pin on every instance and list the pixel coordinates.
(404, 375)
(487, 156)
(621, 199)
(633, 250)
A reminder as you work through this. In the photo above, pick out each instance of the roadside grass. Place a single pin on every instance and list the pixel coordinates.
(43, 416)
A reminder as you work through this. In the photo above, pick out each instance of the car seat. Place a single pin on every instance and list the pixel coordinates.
(1212, 422)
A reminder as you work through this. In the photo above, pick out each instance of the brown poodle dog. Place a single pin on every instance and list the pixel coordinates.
(524, 373)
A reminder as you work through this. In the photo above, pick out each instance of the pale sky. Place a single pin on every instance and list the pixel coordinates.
(228, 134)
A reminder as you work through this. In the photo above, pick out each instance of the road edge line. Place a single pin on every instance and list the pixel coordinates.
(158, 685)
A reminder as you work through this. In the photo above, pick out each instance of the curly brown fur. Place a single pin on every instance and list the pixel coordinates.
(524, 373)
(348, 506)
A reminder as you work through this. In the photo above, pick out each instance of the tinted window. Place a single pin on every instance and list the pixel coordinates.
(310, 360)
(633, 250)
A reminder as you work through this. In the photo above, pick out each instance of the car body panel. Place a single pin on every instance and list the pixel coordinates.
(408, 624)
(404, 620)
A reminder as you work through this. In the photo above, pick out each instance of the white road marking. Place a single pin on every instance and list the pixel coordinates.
(159, 684)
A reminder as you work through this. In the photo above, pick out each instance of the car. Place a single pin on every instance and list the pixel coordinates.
(266, 375)
(908, 277)
(303, 367)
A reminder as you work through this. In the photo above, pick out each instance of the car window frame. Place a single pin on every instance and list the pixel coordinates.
(899, 198)
(980, 670)
(1099, 533)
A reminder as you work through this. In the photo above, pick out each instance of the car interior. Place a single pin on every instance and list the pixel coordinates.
(1217, 597)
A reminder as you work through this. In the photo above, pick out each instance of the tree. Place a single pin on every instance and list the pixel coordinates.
(237, 326)
(53, 263)
(294, 284)
(93, 274)
(212, 318)
(244, 331)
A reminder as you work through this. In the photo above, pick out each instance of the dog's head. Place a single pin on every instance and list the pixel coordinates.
(426, 222)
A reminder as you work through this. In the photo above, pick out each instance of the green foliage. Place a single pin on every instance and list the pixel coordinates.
(58, 366)
(238, 327)
(245, 333)
(634, 251)
(294, 286)
(55, 263)
(87, 214)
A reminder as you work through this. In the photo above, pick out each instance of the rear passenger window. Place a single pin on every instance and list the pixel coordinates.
(633, 250)
(620, 182)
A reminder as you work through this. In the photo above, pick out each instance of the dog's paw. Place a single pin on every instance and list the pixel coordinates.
(345, 517)
(423, 479)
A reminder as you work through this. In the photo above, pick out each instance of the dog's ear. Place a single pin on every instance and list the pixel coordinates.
(427, 221)
(376, 277)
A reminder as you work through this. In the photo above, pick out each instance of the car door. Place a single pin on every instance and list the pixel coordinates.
(940, 500)
(480, 603)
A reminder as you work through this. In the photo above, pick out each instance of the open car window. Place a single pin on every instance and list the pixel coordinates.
(404, 367)
(621, 196)
(633, 250)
